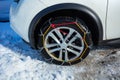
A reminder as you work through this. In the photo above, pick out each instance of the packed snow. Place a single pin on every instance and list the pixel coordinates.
(18, 61)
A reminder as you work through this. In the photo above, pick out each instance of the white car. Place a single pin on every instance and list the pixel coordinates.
(65, 30)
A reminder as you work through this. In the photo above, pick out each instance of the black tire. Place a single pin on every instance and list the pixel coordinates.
(65, 40)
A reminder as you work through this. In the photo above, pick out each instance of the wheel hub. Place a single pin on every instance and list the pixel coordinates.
(64, 47)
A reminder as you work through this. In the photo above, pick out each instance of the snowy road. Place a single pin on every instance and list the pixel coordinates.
(19, 62)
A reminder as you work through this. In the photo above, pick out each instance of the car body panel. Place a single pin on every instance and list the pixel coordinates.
(23, 13)
(113, 20)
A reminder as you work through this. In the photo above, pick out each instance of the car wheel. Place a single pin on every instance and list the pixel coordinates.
(65, 40)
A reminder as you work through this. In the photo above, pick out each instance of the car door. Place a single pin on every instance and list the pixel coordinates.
(113, 19)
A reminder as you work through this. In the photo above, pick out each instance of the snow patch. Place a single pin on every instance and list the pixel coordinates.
(19, 62)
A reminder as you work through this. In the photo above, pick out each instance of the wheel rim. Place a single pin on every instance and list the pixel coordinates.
(64, 44)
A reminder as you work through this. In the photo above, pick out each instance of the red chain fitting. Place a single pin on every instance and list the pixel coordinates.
(55, 25)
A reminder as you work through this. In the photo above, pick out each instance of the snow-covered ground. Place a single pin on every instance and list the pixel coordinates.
(19, 62)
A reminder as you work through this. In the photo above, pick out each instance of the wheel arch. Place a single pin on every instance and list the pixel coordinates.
(89, 17)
